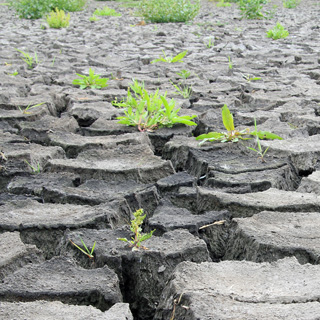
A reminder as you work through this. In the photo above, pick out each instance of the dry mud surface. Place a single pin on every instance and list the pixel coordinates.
(262, 262)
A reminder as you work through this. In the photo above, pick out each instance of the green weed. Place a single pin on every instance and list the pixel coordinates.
(93, 18)
(106, 11)
(260, 152)
(232, 134)
(162, 11)
(250, 78)
(135, 227)
(278, 32)
(177, 58)
(93, 81)
(184, 74)
(36, 169)
(28, 59)
(210, 43)
(58, 19)
(29, 107)
(252, 9)
(149, 111)
(222, 3)
(86, 251)
(291, 4)
(182, 89)
(230, 64)
(36, 9)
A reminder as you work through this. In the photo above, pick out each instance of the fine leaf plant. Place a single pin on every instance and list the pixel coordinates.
(86, 251)
(170, 59)
(135, 227)
(259, 151)
(58, 19)
(233, 134)
(28, 59)
(93, 81)
(149, 111)
(278, 32)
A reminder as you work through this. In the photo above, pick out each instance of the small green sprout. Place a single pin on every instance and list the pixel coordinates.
(230, 65)
(135, 227)
(87, 252)
(291, 4)
(58, 19)
(94, 18)
(232, 134)
(149, 111)
(177, 58)
(222, 3)
(26, 110)
(184, 74)
(183, 90)
(106, 11)
(250, 78)
(260, 152)
(210, 43)
(93, 81)
(278, 32)
(28, 59)
(34, 168)
(15, 73)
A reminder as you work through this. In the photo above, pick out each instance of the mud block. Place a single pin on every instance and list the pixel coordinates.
(302, 151)
(242, 290)
(245, 205)
(311, 183)
(56, 310)
(61, 279)
(142, 273)
(133, 162)
(44, 224)
(269, 236)
(173, 182)
(14, 253)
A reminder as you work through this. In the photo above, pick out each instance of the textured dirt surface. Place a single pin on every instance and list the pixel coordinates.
(211, 205)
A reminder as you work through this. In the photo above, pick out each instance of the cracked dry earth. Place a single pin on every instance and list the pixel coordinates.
(261, 263)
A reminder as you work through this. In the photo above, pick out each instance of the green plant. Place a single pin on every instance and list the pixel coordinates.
(250, 78)
(230, 64)
(86, 251)
(135, 227)
(278, 32)
(184, 74)
(222, 3)
(94, 18)
(210, 43)
(35, 9)
(106, 11)
(26, 110)
(150, 111)
(58, 19)
(183, 90)
(34, 168)
(177, 58)
(252, 9)
(162, 11)
(260, 152)
(232, 134)
(93, 81)
(291, 4)
(28, 59)
(15, 73)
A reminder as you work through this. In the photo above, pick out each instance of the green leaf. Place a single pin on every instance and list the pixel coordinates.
(123, 239)
(179, 57)
(265, 135)
(211, 136)
(227, 118)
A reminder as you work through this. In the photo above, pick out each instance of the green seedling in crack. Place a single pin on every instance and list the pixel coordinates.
(250, 78)
(36, 169)
(28, 59)
(232, 134)
(183, 90)
(86, 251)
(278, 32)
(260, 152)
(29, 107)
(177, 58)
(149, 111)
(93, 81)
(184, 74)
(135, 227)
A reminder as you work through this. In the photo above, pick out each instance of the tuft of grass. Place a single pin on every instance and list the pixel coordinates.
(93, 81)
(291, 4)
(278, 32)
(106, 11)
(163, 11)
(58, 19)
(28, 59)
(170, 59)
